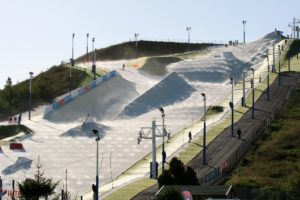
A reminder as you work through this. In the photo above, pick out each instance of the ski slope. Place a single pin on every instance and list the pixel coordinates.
(118, 108)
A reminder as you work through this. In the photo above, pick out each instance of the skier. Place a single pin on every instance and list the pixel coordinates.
(190, 136)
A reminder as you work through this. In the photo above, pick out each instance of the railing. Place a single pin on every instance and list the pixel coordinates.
(228, 164)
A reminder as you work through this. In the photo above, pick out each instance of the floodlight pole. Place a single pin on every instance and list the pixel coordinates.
(244, 22)
(244, 91)
(252, 92)
(97, 163)
(188, 30)
(204, 131)
(163, 143)
(273, 64)
(268, 79)
(279, 70)
(232, 108)
(136, 44)
(30, 95)
(87, 43)
(1, 185)
(94, 59)
(72, 64)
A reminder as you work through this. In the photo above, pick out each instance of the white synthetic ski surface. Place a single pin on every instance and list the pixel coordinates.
(119, 108)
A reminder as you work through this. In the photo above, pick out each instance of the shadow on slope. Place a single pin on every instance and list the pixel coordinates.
(219, 72)
(103, 102)
(86, 130)
(22, 163)
(157, 65)
(170, 90)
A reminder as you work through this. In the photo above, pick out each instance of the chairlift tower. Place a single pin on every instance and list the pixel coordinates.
(244, 33)
(294, 26)
(145, 134)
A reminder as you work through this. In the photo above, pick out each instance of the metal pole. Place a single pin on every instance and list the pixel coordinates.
(294, 27)
(279, 70)
(1, 188)
(13, 189)
(163, 145)
(87, 44)
(273, 64)
(136, 44)
(94, 59)
(268, 80)
(97, 167)
(67, 183)
(244, 91)
(112, 182)
(72, 64)
(232, 108)
(30, 95)
(154, 175)
(244, 22)
(252, 93)
(204, 131)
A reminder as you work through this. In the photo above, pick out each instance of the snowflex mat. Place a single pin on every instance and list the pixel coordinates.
(100, 99)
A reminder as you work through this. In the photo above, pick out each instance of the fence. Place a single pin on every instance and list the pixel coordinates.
(78, 92)
(214, 174)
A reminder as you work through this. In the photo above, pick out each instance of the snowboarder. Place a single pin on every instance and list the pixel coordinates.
(86, 118)
(123, 66)
(239, 132)
(19, 118)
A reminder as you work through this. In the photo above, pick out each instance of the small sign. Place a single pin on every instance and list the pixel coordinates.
(187, 195)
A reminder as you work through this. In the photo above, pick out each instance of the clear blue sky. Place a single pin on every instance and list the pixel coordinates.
(36, 34)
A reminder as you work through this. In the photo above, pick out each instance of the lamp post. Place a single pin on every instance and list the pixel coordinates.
(188, 30)
(204, 130)
(30, 97)
(136, 44)
(273, 64)
(163, 144)
(72, 64)
(244, 22)
(231, 104)
(87, 43)
(252, 92)
(97, 163)
(279, 76)
(268, 78)
(94, 59)
(0, 188)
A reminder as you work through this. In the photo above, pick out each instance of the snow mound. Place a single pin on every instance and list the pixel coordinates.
(22, 163)
(86, 130)
(103, 102)
(170, 90)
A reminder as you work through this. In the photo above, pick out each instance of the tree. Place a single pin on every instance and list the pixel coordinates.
(38, 187)
(190, 177)
(177, 169)
(166, 178)
(178, 175)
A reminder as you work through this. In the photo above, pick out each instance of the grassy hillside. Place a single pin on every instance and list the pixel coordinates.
(271, 167)
(157, 65)
(128, 50)
(45, 87)
(8, 131)
(294, 49)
